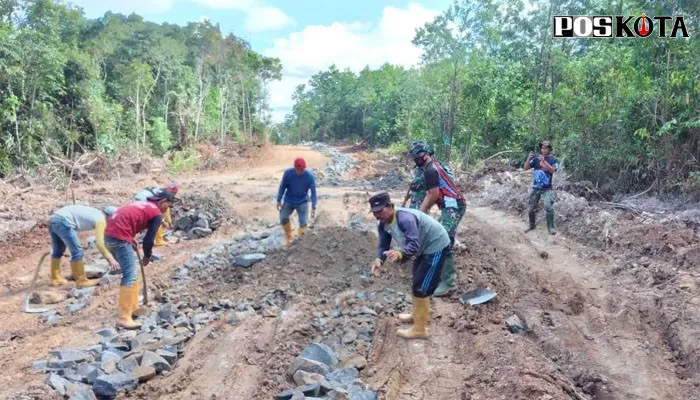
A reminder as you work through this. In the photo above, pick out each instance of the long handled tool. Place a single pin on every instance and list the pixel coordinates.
(143, 274)
(408, 196)
(25, 304)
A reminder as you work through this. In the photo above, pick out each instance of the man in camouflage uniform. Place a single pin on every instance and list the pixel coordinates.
(430, 187)
(544, 165)
(416, 192)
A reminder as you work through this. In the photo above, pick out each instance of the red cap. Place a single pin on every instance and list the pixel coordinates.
(299, 163)
(172, 188)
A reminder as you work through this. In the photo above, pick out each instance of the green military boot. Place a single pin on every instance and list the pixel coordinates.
(531, 227)
(448, 276)
(550, 224)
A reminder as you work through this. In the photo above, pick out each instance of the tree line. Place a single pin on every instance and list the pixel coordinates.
(622, 113)
(69, 84)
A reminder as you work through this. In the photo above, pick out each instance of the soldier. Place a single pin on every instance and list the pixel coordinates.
(545, 165)
(440, 189)
(416, 191)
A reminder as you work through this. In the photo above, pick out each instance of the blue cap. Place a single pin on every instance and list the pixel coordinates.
(109, 210)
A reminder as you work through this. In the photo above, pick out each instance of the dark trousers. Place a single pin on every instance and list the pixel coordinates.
(426, 272)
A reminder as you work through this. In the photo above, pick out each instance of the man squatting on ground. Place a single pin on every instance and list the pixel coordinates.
(144, 194)
(437, 187)
(122, 227)
(416, 235)
(294, 187)
(64, 225)
(545, 166)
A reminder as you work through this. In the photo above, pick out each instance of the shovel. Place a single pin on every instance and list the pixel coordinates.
(143, 274)
(477, 296)
(25, 304)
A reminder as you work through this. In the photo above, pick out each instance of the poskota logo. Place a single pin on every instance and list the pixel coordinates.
(609, 26)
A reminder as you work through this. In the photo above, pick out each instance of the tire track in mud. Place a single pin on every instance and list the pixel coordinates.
(588, 337)
(603, 335)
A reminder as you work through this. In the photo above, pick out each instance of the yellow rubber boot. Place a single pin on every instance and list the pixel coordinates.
(136, 310)
(125, 307)
(288, 235)
(81, 281)
(407, 318)
(56, 278)
(160, 237)
(302, 230)
(421, 314)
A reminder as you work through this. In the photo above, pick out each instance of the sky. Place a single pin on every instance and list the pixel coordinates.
(306, 35)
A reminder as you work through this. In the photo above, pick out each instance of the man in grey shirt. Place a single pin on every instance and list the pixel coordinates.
(64, 225)
(417, 235)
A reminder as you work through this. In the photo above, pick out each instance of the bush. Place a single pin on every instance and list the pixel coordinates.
(5, 163)
(160, 136)
(397, 148)
(184, 160)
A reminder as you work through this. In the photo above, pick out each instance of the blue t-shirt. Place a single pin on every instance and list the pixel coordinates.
(295, 188)
(543, 179)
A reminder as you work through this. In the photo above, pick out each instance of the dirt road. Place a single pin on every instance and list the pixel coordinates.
(590, 336)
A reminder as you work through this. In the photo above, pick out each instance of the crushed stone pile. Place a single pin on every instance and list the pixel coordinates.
(338, 166)
(198, 215)
(323, 364)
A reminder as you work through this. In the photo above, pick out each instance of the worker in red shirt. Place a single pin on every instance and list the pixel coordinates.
(122, 227)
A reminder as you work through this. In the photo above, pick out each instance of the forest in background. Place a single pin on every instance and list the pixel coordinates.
(70, 85)
(623, 114)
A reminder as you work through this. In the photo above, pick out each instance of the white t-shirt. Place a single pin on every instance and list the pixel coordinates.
(82, 218)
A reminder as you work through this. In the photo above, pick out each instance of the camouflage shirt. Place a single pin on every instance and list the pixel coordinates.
(418, 189)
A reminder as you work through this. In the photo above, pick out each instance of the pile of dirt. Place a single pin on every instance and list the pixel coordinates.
(94, 166)
(200, 214)
(631, 232)
(319, 285)
(228, 155)
(656, 250)
(36, 392)
(490, 167)
(14, 226)
(19, 234)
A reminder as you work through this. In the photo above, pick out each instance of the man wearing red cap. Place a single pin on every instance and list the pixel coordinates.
(295, 186)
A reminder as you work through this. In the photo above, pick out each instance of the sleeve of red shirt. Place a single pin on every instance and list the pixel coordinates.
(155, 218)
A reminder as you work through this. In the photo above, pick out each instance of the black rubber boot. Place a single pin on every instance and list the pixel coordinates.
(550, 224)
(531, 227)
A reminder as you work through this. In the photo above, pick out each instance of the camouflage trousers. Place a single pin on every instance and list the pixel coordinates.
(548, 198)
(416, 200)
(450, 219)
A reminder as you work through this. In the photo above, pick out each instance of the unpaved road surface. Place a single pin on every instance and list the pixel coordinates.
(591, 335)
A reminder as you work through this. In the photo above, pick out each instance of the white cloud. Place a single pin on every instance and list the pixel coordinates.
(227, 4)
(351, 45)
(267, 19)
(99, 7)
(258, 16)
